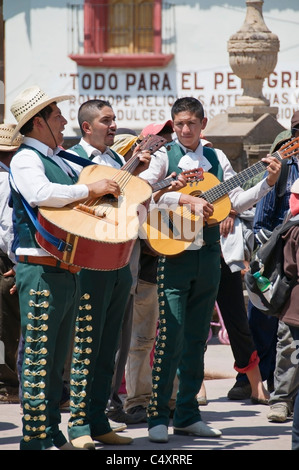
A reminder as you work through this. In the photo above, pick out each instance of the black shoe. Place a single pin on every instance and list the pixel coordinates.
(240, 391)
(259, 401)
(120, 416)
(138, 411)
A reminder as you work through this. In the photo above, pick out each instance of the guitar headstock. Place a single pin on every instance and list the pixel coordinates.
(196, 174)
(152, 143)
(289, 149)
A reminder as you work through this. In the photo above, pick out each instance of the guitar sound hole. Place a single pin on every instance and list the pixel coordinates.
(108, 199)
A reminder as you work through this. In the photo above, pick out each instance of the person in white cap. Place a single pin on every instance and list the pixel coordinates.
(48, 289)
(9, 304)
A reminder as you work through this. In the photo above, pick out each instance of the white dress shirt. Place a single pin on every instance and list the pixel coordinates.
(6, 227)
(29, 178)
(101, 158)
(241, 200)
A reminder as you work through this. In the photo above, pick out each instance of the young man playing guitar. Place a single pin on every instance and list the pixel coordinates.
(104, 295)
(188, 283)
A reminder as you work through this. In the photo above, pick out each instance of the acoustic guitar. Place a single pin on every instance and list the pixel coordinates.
(100, 233)
(169, 232)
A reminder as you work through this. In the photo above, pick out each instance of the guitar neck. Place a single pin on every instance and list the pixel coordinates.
(239, 179)
(162, 184)
(131, 164)
(152, 143)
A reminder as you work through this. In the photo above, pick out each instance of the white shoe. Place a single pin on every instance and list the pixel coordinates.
(117, 427)
(69, 446)
(158, 433)
(198, 429)
(83, 442)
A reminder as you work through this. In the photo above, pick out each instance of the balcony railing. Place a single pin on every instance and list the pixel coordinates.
(121, 29)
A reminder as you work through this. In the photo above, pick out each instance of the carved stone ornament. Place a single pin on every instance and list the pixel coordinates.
(253, 52)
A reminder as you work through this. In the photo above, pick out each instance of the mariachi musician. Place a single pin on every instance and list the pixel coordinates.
(188, 283)
(48, 289)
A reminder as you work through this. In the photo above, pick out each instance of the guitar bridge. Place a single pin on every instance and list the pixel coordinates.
(91, 210)
(100, 211)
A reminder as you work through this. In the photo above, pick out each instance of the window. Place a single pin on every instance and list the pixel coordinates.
(119, 34)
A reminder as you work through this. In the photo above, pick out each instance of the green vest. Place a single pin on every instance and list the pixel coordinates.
(175, 153)
(82, 153)
(25, 227)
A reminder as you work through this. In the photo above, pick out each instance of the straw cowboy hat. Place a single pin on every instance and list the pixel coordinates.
(123, 143)
(29, 102)
(6, 133)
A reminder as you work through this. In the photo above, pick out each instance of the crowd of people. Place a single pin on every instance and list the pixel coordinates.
(143, 323)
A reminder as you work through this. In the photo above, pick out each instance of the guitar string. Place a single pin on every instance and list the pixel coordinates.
(225, 187)
(122, 177)
(212, 194)
(183, 209)
(125, 176)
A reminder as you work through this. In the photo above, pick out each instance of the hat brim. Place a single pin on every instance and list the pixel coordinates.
(124, 145)
(36, 110)
(9, 148)
(154, 129)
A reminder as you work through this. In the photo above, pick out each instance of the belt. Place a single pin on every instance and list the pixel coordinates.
(48, 261)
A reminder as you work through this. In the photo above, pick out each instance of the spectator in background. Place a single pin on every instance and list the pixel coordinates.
(290, 313)
(10, 322)
(272, 337)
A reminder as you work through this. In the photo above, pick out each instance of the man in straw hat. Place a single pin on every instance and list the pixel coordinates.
(48, 290)
(9, 305)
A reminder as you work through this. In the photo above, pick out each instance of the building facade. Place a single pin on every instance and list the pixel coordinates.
(141, 55)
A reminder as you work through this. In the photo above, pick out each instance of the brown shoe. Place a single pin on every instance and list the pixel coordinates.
(113, 439)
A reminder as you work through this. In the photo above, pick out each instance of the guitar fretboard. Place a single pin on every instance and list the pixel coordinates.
(225, 187)
(162, 184)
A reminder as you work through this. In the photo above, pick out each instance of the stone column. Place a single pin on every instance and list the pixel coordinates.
(247, 130)
(253, 54)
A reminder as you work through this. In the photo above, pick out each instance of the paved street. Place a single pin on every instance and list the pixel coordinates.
(244, 426)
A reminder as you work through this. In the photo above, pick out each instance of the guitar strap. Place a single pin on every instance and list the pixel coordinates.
(60, 244)
(4, 167)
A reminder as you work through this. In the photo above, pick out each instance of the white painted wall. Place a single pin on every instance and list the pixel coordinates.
(37, 47)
